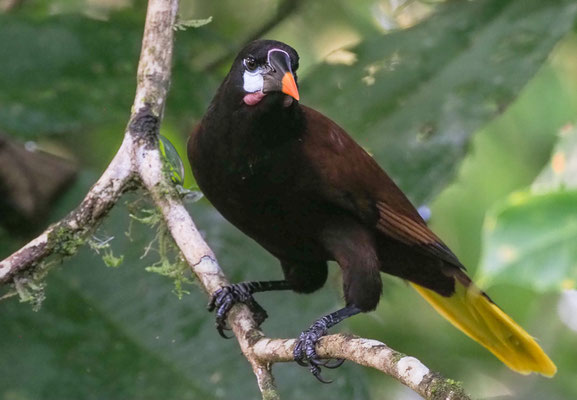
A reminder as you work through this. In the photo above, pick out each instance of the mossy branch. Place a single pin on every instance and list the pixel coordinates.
(138, 164)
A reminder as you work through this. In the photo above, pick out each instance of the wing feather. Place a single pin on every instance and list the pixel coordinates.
(350, 178)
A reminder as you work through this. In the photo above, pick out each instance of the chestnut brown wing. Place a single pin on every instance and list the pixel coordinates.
(348, 176)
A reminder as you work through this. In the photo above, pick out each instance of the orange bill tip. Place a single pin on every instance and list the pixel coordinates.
(289, 86)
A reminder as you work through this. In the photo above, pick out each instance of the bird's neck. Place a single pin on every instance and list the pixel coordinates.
(268, 123)
(275, 125)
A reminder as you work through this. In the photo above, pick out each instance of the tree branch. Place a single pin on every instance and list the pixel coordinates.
(370, 353)
(138, 163)
(64, 237)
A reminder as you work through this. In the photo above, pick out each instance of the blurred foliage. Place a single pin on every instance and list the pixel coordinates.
(530, 239)
(412, 96)
(477, 54)
(561, 172)
(67, 74)
(506, 156)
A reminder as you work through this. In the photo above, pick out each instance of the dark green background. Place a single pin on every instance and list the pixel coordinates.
(505, 71)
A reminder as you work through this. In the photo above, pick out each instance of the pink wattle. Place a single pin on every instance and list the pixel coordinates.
(253, 98)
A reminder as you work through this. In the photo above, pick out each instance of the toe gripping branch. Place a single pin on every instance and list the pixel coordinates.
(305, 353)
(226, 297)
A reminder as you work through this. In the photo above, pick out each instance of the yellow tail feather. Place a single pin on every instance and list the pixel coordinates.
(473, 313)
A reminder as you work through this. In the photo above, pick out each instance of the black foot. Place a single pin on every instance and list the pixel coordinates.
(226, 297)
(305, 353)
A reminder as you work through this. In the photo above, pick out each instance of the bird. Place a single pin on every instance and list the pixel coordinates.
(295, 182)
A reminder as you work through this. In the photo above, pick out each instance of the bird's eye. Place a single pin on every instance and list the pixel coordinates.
(250, 63)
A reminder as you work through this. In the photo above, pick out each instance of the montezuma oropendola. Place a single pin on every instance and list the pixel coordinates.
(298, 184)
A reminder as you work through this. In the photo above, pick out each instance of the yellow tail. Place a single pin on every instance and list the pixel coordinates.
(473, 313)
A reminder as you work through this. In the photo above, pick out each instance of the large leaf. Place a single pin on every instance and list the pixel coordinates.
(530, 239)
(414, 97)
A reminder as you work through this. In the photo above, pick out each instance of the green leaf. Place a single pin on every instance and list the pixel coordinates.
(172, 160)
(414, 97)
(182, 25)
(530, 239)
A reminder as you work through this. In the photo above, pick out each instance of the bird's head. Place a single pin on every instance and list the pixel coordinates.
(265, 68)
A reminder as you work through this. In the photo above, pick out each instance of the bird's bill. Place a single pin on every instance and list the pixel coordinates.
(280, 78)
(289, 86)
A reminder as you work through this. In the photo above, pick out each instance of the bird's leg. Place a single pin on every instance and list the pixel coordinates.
(226, 297)
(305, 353)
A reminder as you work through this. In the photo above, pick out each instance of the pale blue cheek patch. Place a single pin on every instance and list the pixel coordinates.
(252, 81)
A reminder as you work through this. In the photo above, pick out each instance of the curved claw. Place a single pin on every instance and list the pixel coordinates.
(301, 362)
(298, 353)
(221, 327)
(211, 304)
(338, 363)
(217, 298)
(220, 331)
(327, 363)
(305, 353)
(225, 298)
(316, 371)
